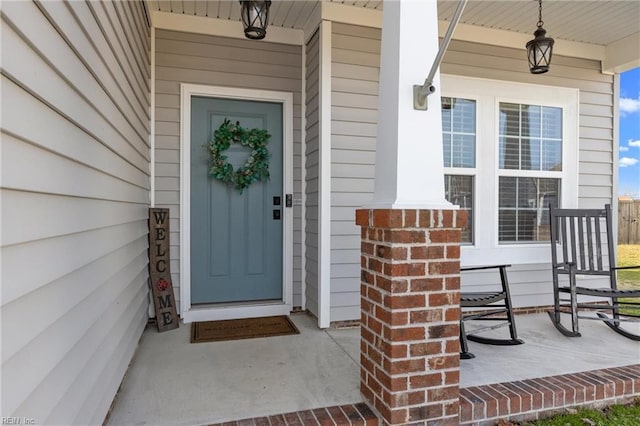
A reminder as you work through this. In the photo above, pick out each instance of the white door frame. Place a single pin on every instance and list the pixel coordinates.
(191, 313)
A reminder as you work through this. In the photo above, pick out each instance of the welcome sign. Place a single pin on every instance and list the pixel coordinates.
(159, 270)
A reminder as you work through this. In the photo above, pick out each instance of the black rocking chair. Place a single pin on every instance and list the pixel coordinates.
(492, 306)
(577, 250)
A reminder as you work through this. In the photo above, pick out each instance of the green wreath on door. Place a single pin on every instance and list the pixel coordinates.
(255, 169)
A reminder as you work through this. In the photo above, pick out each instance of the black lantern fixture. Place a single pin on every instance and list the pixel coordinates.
(540, 48)
(255, 18)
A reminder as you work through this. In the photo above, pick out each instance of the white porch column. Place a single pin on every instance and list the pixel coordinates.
(409, 166)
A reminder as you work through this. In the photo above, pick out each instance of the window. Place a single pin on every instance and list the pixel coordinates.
(459, 148)
(529, 140)
(509, 150)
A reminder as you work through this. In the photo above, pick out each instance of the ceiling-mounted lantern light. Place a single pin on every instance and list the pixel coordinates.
(255, 18)
(540, 48)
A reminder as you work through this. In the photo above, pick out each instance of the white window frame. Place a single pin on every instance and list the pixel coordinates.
(469, 171)
(488, 95)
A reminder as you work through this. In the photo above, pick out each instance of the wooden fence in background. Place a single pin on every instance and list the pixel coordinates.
(629, 222)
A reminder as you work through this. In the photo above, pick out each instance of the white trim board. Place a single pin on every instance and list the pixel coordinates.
(324, 177)
(191, 313)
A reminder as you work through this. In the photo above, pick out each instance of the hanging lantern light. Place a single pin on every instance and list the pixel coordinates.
(255, 18)
(540, 48)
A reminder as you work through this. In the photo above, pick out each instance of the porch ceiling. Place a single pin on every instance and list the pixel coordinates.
(592, 22)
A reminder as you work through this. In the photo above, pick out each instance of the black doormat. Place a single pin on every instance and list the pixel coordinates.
(247, 328)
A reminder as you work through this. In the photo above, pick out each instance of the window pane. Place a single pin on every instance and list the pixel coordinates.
(463, 151)
(531, 120)
(464, 116)
(446, 148)
(530, 137)
(552, 123)
(509, 119)
(551, 153)
(446, 114)
(459, 191)
(523, 208)
(459, 132)
(509, 153)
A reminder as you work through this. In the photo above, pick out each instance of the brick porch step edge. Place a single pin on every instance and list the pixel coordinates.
(340, 415)
(531, 399)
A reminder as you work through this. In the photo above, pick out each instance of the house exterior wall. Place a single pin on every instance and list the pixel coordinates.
(75, 194)
(312, 70)
(218, 61)
(355, 59)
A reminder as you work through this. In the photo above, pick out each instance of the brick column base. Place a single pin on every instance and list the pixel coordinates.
(410, 305)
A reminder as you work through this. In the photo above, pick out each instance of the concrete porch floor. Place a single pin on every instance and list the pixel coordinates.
(174, 382)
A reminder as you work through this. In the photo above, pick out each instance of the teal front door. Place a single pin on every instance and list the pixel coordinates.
(236, 238)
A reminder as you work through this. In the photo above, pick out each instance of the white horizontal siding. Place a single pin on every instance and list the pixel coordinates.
(75, 194)
(354, 101)
(354, 117)
(219, 61)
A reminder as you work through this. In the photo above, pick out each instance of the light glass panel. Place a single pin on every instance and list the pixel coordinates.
(523, 208)
(459, 191)
(530, 137)
(459, 132)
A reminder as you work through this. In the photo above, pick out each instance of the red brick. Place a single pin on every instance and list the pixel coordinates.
(396, 269)
(405, 334)
(452, 346)
(387, 218)
(374, 295)
(453, 252)
(398, 416)
(338, 416)
(424, 220)
(451, 377)
(443, 268)
(417, 269)
(406, 301)
(307, 417)
(374, 325)
(396, 318)
(425, 380)
(452, 283)
(367, 277)
(391, 252)
(424, 412)
(324, 419)
(375, 265)
(362, 217)
(427, 284)
(443, 330)
(426, 348)
(425, 316)
(395, 351)
(406, 366)
(444, 362)
(452, 314)
(407, 237)
(447, 218)
(445, 235)
(442, 393)
(366, 248)
(292, 419)
(443, 299)
(410, 218)
(415, 398)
